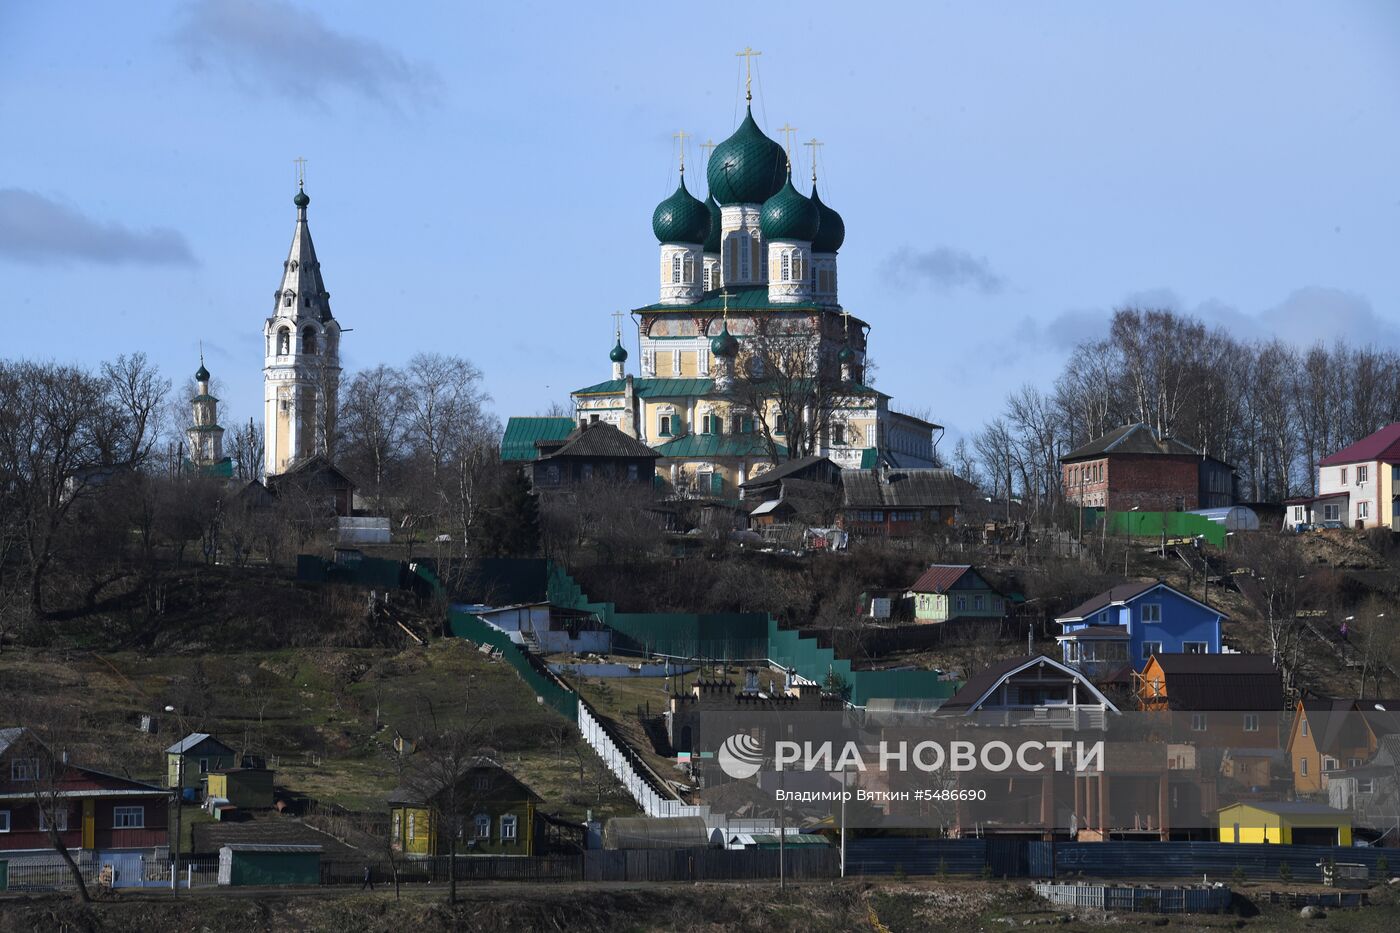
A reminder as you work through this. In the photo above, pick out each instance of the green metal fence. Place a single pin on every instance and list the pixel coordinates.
(546, 686)
(1166, 524)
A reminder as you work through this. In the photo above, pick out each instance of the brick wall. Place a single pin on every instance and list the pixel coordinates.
(1153, 483)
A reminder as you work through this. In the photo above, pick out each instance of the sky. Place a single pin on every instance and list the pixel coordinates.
(482, 176)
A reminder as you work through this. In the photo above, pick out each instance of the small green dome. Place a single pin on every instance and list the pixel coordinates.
(832, 232)
(681, 218)
(846, 354)
(788, 215)
(619, 353)
(301, 200)
(712, 241)
(747, 168)
(724, 344)
(201, 374)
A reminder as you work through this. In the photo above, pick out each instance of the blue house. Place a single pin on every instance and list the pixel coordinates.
(1128, 624)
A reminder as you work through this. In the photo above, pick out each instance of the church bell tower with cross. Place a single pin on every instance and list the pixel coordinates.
(301, 363)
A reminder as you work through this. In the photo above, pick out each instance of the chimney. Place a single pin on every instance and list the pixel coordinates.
(629, 407)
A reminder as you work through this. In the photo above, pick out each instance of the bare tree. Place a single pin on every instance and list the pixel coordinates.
(792, 391)
(375, 419)
(138, 393)
(247, 448)
(50, 779)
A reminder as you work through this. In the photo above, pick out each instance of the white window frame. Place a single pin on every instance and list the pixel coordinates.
(675, 268)
(1363, 510)
(482, 826)
(1365, 786)
(1304, 727)
(1198, 722)
(1363, 473)
(1334, 766)
(1151, 613)
(62, 821)
(24, 769)
(1331, 512)
(1303, 767)
(122, 816)
(1204, 645)
(1251, 722)
(1149, 648)
(509, 828)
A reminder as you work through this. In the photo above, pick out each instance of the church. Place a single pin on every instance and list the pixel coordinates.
(747, 357)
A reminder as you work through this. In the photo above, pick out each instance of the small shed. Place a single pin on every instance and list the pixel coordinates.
(269, 864)
(1290, 822)
(248, 788)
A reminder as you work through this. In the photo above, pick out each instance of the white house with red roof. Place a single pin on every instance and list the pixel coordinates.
(1356, 486)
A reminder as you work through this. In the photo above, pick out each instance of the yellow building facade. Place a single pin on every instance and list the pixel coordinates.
(1285, 823)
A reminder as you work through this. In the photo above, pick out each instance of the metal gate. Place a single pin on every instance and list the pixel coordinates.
(1042, 859)
(1007, 857)
(133, 870)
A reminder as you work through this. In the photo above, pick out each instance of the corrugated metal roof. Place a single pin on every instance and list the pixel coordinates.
(1383, 445)
(9, 736)
(518, 442)
(1297, 807)
(189, 742)
(921, 488)
(1117, 595)
(939, 577)
(652, 388)
(1221, 681)
(788, 469)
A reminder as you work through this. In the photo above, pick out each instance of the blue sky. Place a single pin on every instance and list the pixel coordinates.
(483, 175)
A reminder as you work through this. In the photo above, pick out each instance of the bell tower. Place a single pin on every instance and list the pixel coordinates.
(301, 362)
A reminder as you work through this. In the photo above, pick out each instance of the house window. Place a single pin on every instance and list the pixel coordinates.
(4, 821)
(1297, 513)
(1303, 767)
(24, 769)
(396, 825)
(482, 782)
(1344, 475)
(1305, 727)
(1329, 763)
(129, 818)
(412, 826)
(1195, 647)
(1363, 510)
(61, 821)
(1353, 762)
(1251, 722)
(586, 472)
(1149, 648)
(1331, 512)
(1365, 786)
(961, 603)
(633, 474)
(1362, 473)
(482, 822)
(508, 824)
(1151, 612)
(977, 602)
(1198, 722)
(204, 766)
(664, 426)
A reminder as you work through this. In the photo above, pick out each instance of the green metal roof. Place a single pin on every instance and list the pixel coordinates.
(869, 458)
(652, 388)
(681, 218)
(789, 215)
(717, 445)
(741, 298)
(748, 167)
(518, 443)
(222, 469)
(832, 232)
(712, 241)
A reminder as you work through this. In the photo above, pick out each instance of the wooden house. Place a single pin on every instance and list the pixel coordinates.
(495, 813)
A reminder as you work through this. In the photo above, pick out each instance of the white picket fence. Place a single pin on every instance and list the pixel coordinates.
(620, 761)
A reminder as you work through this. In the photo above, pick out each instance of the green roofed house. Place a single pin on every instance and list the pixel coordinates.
(523, 434)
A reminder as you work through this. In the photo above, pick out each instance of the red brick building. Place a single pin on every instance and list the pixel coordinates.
(1131, 467)
(92, 810)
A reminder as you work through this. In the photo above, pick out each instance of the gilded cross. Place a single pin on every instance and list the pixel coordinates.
(707, 147)
(617, 323)
(748, 56)
(682, 135)
(788, 132)
(300, 163)
(812, 144)
(846, 322)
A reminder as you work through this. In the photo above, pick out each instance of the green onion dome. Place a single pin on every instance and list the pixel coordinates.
(712, 241)
(301, 200)
(618, 354)
(833, 229)
(747, 168)
(724, 344)
(681, 218)
(201, 374)
(788, 215)
(846, 354)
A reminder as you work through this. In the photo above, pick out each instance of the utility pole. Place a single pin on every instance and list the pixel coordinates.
(844, 791)
(179, 807)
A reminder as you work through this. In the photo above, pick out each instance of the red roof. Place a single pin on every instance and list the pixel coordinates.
(1383, 445)
(939, 577)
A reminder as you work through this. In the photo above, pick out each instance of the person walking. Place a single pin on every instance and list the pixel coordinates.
(369, 880)
(1345, 632)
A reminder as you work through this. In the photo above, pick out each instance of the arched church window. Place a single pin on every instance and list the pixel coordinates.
(798, 272)
(675, 268)
(294, 265)
(308, 341)
(689, 276)
(288, 297)
(284, 341)
(785, 266)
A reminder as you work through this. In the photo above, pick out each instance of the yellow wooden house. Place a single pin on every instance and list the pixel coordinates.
(1286, 822)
